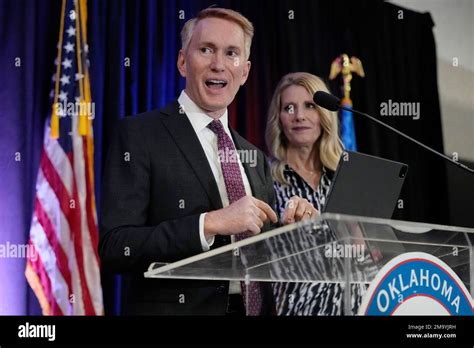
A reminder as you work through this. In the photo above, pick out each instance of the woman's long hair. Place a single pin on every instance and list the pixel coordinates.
(328, 146)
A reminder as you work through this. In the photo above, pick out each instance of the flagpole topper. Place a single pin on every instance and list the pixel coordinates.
(345, 66)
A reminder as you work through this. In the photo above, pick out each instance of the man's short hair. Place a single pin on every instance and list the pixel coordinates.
(223, 13)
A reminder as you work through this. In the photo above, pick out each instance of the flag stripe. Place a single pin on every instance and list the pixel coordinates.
(61, 258)
(35, 284)
(74, 219)
(93, 232)
(58, 287)
(61, 162)
(51, 206)
(81, 254)
(38, 268)
(92, 279)
(91, 219)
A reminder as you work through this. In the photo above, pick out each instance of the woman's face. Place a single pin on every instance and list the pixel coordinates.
(298, 116)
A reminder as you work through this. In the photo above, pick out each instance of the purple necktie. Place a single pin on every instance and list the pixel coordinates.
(235, 188)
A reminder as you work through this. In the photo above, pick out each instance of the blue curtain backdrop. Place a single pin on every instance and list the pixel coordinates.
(133, 47)
(27, 52)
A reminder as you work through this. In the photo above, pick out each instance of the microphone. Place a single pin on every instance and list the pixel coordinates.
(333, 103)
(327, 101)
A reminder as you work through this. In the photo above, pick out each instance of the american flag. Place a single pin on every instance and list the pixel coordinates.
(65, 270)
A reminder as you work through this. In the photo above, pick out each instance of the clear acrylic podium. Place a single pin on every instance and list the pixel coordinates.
(331, 248)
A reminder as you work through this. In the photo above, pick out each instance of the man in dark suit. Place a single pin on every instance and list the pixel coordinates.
(168, 193)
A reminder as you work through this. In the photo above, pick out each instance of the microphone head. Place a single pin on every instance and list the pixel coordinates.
(327, 101)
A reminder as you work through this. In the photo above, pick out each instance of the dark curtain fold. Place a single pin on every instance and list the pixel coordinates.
(133, 48)
(28, 36)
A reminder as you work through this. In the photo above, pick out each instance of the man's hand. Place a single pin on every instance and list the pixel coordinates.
(246, 214)
(298, 209)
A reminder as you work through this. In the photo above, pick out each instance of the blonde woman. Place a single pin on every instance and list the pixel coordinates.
(305, 147)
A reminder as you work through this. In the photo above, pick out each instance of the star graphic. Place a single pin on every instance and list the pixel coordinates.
(69, 47)
(64, 80)
(62, 95)
(71, 31)
(78, 76)
(67, 63)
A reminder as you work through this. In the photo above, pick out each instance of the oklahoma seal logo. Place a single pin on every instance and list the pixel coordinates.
(417, 284)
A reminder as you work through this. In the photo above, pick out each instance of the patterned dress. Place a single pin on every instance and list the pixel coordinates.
(300, 298)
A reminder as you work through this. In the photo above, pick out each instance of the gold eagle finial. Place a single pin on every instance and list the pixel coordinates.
(346, 67)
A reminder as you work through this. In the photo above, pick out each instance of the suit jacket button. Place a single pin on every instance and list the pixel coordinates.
(221, 289)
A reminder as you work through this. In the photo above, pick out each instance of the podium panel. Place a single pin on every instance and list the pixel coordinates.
(341, 249)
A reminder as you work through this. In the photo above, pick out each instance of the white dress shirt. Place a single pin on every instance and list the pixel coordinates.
(208, 139)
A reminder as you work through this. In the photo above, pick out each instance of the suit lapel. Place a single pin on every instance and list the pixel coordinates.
(255, 178)
(187, 141)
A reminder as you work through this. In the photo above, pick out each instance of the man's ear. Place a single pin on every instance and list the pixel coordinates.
(245, 72)
(181, 63)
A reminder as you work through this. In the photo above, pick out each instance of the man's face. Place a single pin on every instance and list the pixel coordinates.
(214, 64)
